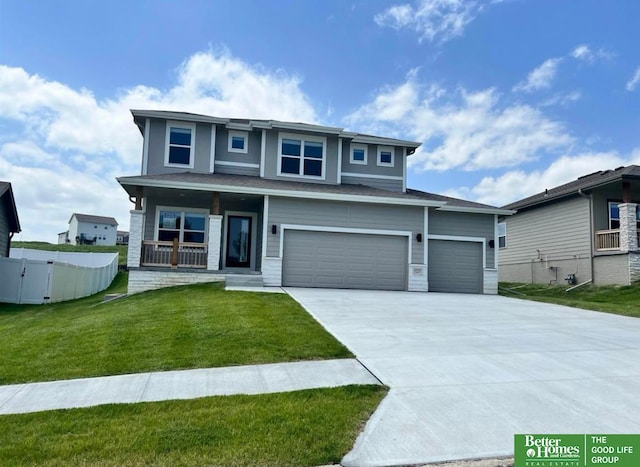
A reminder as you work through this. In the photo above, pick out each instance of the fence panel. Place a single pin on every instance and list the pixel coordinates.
(10, 274)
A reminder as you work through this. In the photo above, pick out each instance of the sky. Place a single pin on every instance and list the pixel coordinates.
(507, 97)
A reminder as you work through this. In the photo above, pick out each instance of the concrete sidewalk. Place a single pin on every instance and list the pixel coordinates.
(184, 384)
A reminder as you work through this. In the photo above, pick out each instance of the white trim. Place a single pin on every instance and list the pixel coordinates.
(339, 177)
(263, 152)
(275, 192)
(239, 126)
(225, 223)
(487, 210)
(425, 237)
(384, 177)
(382, 149)
(145, 146)
(456, 238)
(323, 228)
(238, 164)
(212, 150)
(240, 134)
(404, 170)
(302, 139)
(355, 146)
(496, 245)
(385, 141)
(192, 148)
(265, 228)
(182, 210)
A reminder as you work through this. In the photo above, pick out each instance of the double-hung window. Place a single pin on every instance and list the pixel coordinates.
(179, 149)
(614, 216)
(238, 141)
(185, 225)
(301, 156)
(502, 234)
(385, 156)
(359, 153)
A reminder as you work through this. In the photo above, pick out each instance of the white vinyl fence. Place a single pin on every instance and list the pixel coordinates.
(37, 276)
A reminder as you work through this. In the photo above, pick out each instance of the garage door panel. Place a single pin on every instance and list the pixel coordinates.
(455, 266)
(344, 260)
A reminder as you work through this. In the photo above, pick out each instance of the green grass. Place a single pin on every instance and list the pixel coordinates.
(196, 326)
(303, 428)
(121, 249)
(621, 300)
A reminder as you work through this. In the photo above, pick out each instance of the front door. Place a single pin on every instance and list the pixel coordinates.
(238, 242)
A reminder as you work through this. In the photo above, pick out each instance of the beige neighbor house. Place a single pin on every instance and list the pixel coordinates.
(584, 230)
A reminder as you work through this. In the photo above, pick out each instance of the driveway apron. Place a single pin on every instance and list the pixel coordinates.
(467, 372)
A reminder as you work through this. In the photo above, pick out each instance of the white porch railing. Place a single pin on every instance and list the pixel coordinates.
(610, 239)
(174, 254)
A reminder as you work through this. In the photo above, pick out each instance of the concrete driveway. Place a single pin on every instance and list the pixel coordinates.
(468, 371)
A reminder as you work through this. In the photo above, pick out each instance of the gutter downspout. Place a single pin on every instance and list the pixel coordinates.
(591, 231)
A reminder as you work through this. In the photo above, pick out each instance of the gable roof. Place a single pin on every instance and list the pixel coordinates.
(250, 124)
(6, 197)
(94, 219)
(261, 186)
(586, 182)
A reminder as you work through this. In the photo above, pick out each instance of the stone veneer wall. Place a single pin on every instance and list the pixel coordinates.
(142, 280)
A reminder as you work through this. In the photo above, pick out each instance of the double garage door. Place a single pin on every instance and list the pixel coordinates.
(455, 266)
(344, 260)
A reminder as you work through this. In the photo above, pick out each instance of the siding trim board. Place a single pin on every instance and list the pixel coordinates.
(212, 150)
(145, 146)
(238, 164)
(382, 177)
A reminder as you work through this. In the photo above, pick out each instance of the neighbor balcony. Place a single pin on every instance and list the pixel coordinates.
(174, 254)
(609, 240)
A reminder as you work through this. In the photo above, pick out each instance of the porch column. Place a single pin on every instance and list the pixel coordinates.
(214, 247)
(628, 229)
(136, 226)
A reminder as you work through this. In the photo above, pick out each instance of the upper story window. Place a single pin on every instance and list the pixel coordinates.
(614, 216)
(180, 148)
(238, 141)
(185, 225)
(385, 156)
(359, 154)
(502, 234)
(301, 156)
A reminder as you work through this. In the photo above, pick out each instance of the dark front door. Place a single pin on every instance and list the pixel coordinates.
(238, 242)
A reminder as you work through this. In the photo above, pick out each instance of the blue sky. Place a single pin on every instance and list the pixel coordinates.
(508, 97)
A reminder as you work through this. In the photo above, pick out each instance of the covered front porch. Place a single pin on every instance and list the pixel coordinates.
(623, 233)
(175, 229)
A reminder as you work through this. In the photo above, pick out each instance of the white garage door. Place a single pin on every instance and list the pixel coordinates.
(344, 260)
(455, 266)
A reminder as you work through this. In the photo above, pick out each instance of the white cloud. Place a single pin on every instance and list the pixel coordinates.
(433, 20)
(461, 129)
(66, 146)
(514, 185)
(541, 77)
(634, 81)
(586, 54)
(563, 99)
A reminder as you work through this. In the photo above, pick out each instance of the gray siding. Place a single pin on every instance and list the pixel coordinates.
(253, 149)
(464, 224)
(553, 236)
(157, 145)
(345, 214)
(372, 168)
(271, 158)
(381, 183)
(235, 170)
(611, 269)
(4, 230)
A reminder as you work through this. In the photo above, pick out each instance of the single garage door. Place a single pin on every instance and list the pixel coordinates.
(455, 266)
(344, 260)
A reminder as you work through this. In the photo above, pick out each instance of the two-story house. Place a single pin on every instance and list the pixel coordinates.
(87, 229)
(296, 204)
(585, 230)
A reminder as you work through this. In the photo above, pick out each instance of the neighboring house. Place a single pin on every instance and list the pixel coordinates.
(85, 229)
(583, 230)
(9, 223)
(295, 204)
(122, 238)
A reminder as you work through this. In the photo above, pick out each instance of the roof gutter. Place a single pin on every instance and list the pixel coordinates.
(498, 211)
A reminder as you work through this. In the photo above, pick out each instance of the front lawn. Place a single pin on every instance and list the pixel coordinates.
(196, 326)
(303, 428)
(621, 300)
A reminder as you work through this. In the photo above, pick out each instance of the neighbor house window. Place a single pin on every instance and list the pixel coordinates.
(502, 234)
(238, 141)
(359, 153)
(186, 226)
(179, 149)
(385, 156)
(301, 156)
(614, 216)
